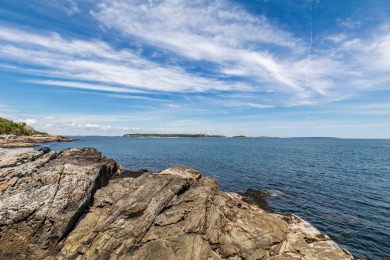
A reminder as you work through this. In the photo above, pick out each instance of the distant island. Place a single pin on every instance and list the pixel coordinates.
(190, 136)
(173, 136)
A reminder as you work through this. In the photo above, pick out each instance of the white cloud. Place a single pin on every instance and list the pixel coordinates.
(30, 121)
(6, 109)
(245, 46)
(349, 23)
(353, 44)
(80, 85)
(381, 48)
(208, 30)
(242, 52)
(72, 7)
(336, 38)
(97, 62)
(95, 126)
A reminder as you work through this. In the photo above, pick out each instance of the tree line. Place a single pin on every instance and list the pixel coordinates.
(10, 127)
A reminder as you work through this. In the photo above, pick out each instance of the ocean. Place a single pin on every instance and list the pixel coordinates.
(341, 186)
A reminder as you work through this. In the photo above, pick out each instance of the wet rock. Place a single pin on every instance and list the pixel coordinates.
(59, 205)
(257, 197)
(44, 149)
(131, 174)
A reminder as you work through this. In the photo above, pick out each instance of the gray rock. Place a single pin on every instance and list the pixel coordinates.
(177, 214)
(182, 171)
(29, 141)
(43, 195)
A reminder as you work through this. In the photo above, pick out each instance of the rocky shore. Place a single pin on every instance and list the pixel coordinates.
(8, 141)
(78, 204)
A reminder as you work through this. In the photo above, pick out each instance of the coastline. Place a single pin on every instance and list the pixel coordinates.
(156, 209)
(17, 141)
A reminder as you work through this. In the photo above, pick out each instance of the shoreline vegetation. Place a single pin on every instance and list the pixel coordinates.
(13, 135)
(9, 127)
(190, 136)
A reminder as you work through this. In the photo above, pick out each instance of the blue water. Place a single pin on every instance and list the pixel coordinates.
(341, 186)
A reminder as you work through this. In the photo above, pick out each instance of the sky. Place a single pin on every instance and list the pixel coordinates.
(286, 68)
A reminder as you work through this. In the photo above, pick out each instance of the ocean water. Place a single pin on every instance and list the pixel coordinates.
(341, 186)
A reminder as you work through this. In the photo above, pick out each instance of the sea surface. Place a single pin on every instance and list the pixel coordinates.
(341, 186)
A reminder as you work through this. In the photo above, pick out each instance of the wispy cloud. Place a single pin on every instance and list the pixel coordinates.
(50, 55)
(81, 85)
(6, 109)
(208, 31)
(349, 23)
(249, 47)
(232, 51)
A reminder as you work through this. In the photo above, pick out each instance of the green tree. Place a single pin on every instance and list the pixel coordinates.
(11, 127)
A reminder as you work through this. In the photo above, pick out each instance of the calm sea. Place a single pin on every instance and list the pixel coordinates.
(341, 186)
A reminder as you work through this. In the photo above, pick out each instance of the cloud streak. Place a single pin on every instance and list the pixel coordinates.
(187, 49)
(251, 47)
(50, 55)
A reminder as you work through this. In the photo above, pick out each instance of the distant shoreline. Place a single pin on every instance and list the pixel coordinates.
(190, 136)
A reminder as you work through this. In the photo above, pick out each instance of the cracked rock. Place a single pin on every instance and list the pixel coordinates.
(76, 204)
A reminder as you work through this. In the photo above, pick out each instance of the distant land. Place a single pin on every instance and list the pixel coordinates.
(188, 136)
(173, 136)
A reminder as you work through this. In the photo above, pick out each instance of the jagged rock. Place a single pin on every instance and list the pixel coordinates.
(177, 214)
(29, 141)
(43, 194)
(256, 197)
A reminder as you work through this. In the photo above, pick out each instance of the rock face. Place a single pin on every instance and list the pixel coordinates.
(62, 205)
(42, 195)
(29, 141)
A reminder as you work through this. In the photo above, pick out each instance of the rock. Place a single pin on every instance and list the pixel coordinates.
(131, 174)
(45, 149)
(256, 197)
(182, 172)
(59, 205)
(43, 194)
(29, 141)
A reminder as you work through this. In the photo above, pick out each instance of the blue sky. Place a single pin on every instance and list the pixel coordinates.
(267, 67)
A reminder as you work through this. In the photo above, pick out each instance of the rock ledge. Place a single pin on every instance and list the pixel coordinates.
(8, 141)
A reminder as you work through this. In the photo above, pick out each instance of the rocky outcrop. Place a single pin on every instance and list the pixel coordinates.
(29, 141)
(257, 197)
(62, 205)
(43, 194)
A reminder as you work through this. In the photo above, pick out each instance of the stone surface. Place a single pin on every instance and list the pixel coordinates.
(256, 197)
(182, 171)
(50, 210)
(42, 195)
(29, 141)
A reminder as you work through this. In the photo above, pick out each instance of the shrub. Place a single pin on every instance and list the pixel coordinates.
(11, 127)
